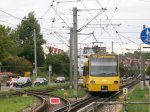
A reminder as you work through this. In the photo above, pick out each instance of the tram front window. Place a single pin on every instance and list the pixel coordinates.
(103, 67)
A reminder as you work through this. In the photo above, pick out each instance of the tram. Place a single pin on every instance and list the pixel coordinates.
(101, 73)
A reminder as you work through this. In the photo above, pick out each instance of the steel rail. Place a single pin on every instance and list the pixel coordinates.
(74, 107)
(93, 106)
(42, 107)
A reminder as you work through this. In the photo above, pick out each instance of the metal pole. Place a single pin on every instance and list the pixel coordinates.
(143, 69)
(143, 63)
(71, 57)
(75, 52)
(49, 79)
(0, 66)
(33, 76)
(35, 55)
(80, 61)
(125, 104)
(112, 46)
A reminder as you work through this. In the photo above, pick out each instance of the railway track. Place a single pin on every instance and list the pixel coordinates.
(95, 107)
(74, 107)
(45, 106)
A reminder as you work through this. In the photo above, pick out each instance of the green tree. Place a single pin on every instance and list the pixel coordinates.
(16, 64)
(137, 54)
(122, 69)
(148, 70)
(25, 32)
(59, 63)
(7, 46)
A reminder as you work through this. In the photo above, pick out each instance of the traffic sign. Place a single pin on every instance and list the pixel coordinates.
(144, 48)
(125, 91)
(54, 100)
(145, 35)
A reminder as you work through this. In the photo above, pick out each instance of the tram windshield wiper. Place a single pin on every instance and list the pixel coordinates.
(103, 73)
(112, 73)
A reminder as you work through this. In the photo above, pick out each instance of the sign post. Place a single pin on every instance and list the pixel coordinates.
(49, 69)
(145, 37)
(125, 93)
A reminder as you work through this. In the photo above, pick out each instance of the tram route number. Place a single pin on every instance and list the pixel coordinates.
(125, 91)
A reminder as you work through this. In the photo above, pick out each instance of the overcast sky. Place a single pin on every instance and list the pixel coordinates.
(126, 17)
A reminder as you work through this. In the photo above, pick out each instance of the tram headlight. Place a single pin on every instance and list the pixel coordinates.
(92, 81)
(115, 82)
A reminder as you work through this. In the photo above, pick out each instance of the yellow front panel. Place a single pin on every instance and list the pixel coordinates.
(95, 83)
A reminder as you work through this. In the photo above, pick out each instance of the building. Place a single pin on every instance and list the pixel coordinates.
(50, 49)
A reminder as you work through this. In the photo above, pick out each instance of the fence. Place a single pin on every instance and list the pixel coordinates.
(116, 107)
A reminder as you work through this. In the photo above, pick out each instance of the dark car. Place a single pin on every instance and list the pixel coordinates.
(14, 81)
(40, 81)
(60, 80)
(24, 82)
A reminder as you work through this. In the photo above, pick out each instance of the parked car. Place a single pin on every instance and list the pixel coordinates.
(40, 81)
(14, 81)
(80, 82)
(60, 80)
(147, 78)
(24, 82)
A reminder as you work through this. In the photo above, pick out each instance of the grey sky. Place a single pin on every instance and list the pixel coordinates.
(131, 14)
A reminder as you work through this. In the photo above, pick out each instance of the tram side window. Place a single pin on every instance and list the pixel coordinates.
(85, 70)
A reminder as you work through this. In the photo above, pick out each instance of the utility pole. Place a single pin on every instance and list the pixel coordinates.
(75, 52)
(142, 68)
(35, 55)
(71, 57)
(80, 60)
(112, 47)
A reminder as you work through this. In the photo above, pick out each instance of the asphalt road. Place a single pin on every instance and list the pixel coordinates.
(6, 88)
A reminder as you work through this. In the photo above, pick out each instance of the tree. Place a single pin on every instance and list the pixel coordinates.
(59, 63)
(25, 32)
(16, 64)
(7, 46)
(148, 70)
(122, 69)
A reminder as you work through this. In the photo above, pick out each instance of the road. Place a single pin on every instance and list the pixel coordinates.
(6, 88)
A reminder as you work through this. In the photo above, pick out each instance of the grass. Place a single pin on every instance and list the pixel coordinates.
(15, 103)
(68, 93)
(7, 92)
(45, 87)
(138, 95)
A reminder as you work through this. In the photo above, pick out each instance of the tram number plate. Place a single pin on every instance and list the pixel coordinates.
(104, 88)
